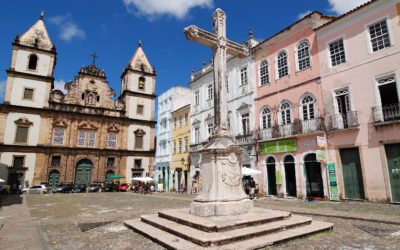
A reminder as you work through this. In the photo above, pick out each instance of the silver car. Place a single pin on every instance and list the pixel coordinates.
(39, 189)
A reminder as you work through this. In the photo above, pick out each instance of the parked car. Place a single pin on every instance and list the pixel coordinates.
(94, 187)
(110, 188)
(79, 188)
(63, 188)
(123, 187)
(39, 189)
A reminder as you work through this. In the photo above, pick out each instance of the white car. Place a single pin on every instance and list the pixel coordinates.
(39, 189)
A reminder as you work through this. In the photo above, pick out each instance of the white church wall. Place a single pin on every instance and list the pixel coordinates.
(132, 108)
(133, 84)
(11, 127)
(40, 93)
(130, 163)
(131, 137)
(22, 60)
(30, 162)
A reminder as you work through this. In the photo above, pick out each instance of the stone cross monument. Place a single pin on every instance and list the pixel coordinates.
(222, 189)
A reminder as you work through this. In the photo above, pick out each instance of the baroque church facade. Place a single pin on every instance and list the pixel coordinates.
(83, 136)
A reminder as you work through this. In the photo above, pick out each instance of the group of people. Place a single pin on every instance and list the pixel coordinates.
(142, 187)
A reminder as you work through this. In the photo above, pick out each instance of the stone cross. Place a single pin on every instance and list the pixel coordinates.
(220, 45)
(94, 56)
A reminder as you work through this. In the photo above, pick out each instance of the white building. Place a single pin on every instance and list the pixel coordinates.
(168, 101)
(241, 119)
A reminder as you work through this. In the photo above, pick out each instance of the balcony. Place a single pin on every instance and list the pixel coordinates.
(293, 129)
(346, 120)
(249, 138)
(386, 114)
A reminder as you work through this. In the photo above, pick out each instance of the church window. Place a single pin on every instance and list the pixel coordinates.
(98, 98)
(55, 161)
(22, 134)
(141, 83)
(18, 161)
(186, 119)
(243, 76)
(210, 92)
(264, 74)
(139, 109)
(112, 140)
(32, 62)
(139, 134)
(138, 164)
(28, 94)
(110, 162)
(86, 138)
(83, 96)
(58, 136)
(303, 55)
(283, 68)
(196, 97)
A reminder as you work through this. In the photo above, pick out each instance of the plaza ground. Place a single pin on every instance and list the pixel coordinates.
(95, 221)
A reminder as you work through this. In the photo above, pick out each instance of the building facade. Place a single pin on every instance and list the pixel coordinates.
(180, 156)
(241, 94)
(289, 111)
(83, 136)
(168, 101)
(359, 58)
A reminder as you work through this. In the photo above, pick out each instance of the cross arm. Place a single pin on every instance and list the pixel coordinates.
(194, 33)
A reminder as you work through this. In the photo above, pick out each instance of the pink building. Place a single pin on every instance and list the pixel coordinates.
(289, 111)
(359, 60)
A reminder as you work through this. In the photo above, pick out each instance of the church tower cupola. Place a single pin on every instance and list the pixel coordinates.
(138, 82)
(30, 75)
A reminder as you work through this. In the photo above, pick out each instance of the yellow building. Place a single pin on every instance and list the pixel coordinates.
(180, 159)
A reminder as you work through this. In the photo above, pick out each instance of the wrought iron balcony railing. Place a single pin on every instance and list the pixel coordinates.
(248, 138)
(387, 113)
(343, 121)
(296, 128)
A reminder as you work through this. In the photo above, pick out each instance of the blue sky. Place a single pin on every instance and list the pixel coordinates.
(112, 29)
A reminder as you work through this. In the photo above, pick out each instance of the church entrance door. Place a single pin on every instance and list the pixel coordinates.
(83, 174)
(54, 179)
(108, 177)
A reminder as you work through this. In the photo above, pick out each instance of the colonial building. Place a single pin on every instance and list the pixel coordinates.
(241, 94)
(180, 157)
(289, 111)
(168, 101)
(83, 136)
(359, 58)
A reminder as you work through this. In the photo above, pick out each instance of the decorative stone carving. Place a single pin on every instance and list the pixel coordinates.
(23, 121)
(87, 125)
(56, 96)
(113, 128)
(60, 122)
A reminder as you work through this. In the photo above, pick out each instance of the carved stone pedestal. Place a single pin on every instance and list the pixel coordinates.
(222, 190)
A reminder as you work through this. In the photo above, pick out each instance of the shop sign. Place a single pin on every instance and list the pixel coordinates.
(278, 146)
(278, 177)
(321, 155)
(321, 142)
(333, 188)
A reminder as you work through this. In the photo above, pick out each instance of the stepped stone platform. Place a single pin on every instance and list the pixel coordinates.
(178, 229)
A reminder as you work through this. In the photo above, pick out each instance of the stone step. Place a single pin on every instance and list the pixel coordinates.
(256, 216)
(159, 236)
(172, 241)
(277, 238)
(206, 239)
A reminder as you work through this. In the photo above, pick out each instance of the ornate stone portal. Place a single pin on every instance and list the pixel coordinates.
(222, 190)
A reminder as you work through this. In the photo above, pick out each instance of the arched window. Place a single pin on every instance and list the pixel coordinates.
(141, 83)
(283, 68)
(32, 62)
(264, 73)
(303, 55)
(266, 118)
(286, 113)
(308, 107)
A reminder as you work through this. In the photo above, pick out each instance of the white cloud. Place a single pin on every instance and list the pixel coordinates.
(59, 84)
(342, 6)
(2, 89)
(68, 28)
(177, 8)
(303, 14)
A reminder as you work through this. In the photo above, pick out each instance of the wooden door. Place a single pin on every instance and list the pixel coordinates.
(83, 173)
(352, 175)
(393, 158)
(54, 179)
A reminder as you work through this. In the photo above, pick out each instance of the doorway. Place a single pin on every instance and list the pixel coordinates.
(393, 159)
(343, 105)
(271, 176)
(389, 98)
(83, 174)
(108, 179)
(54, 179)
(314, 184)
(352, 175)
(290, 176)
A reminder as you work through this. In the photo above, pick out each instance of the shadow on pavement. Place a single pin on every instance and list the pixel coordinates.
(10, 199)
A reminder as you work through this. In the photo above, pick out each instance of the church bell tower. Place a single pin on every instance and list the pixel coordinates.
(30, 75)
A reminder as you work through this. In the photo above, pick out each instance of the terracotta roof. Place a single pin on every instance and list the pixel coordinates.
(346, 14)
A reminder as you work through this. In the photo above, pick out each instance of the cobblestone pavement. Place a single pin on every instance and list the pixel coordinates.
(58, 218)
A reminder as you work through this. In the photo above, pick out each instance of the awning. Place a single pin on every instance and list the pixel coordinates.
(250, 171)
(142, 179)
(116, 176)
